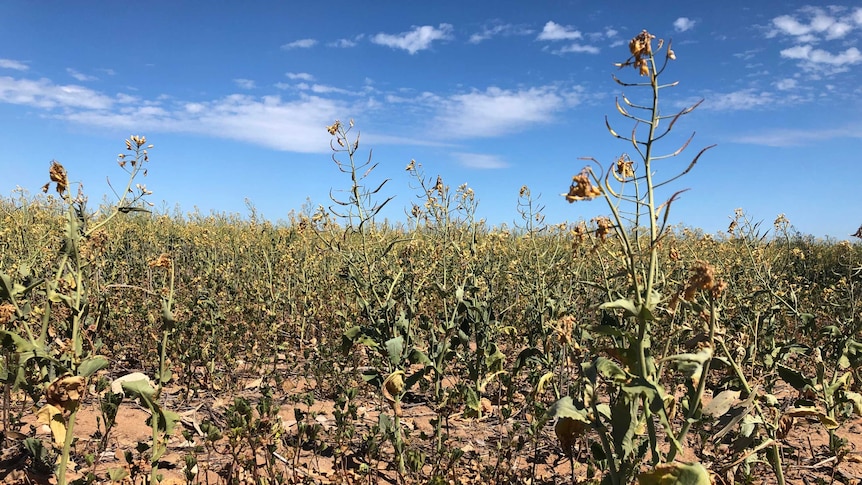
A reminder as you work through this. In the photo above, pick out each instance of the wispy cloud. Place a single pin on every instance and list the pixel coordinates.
(498, 30)
(245, 83)
(13, 64)
(786, 84)
(741, 100)
(346, 43)
(413, 41)
(798, 137)
(480, 161)
(496, 111)
(288, 125)
(299, 76)
(300, 44)
(43, 93)
(80, 76)
(579, 48)
(683, 24)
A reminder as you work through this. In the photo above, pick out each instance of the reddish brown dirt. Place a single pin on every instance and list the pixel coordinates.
(806, 454)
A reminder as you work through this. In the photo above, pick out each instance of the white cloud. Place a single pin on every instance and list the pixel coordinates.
(798, 137)
(480, 160)
(588, 49)
(296, 126)
(555, 31)
(43, 93)
(80, 76)
(496, 111)
(413, 41)
(683, 23)
(300, 76)
(820, 23)
(300, 44)
(343, 43)
(13, 64)
(742, 100)
(245, 83)
(786, 84)
(496, 30)
(346, 43)
(819, 56)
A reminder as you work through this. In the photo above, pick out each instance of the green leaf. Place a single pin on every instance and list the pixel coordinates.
(530, 354)
(566, 408)
(794, 378)
(394, 347)
(625, 304)
(141, 388)
(610, 370)
(92, 365)
(419, 357)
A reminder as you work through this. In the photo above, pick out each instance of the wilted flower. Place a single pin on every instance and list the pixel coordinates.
(603, 227)
(58, 175)
(6, 312)
(439, 185)
(703, 278)
(163, 261)
(625, 167)
(582, 188)
(334, 127)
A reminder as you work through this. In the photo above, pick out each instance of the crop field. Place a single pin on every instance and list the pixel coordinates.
(147, 347)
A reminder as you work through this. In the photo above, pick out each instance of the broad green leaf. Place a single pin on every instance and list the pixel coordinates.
(418, 357)
(7, 291)
(625, 304)
(610, 370)
(676, 474)
(394, 347)
(565, 407)
(92, 365)
(530, 354)
(624, 422)
(140, 388)
(794, 377)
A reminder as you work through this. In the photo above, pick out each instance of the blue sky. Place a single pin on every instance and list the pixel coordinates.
(236, 97)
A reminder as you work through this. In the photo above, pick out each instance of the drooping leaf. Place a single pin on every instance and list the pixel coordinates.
(92, 365)
(53, 417)
(610, 370)
(624, 304)
(825, 419)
